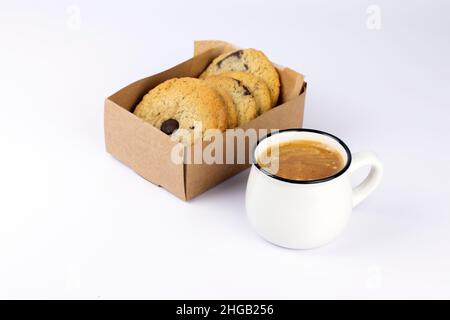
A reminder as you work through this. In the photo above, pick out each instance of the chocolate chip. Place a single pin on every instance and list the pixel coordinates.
(169, 126)
(246, 91)
(237, 81)
(235, 54)
(245, 66)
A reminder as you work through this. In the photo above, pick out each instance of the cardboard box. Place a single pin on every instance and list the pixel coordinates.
(147, 150)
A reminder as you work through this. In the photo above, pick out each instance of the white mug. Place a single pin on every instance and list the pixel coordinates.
(306, 214)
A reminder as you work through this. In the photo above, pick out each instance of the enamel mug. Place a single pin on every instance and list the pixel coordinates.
(306, 214)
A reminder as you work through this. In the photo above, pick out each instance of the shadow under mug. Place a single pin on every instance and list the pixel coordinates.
(306, 214)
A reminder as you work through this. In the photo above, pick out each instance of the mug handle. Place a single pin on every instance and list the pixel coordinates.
(362, 159)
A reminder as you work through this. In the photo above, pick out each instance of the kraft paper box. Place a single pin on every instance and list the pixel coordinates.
(147, 150)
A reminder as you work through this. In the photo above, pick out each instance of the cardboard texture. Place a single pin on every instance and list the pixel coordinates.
(147, 150)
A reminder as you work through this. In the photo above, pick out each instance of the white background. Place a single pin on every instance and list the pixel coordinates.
(76, 223)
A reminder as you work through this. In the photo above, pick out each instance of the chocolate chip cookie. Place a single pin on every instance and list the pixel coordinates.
(257, 87)
(242, 97)
(250, 61)
(183, 103)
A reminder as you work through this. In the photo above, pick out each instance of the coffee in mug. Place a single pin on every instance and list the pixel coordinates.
(301, 160)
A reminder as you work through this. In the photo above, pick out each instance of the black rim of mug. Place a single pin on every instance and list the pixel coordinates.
(334, 176)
